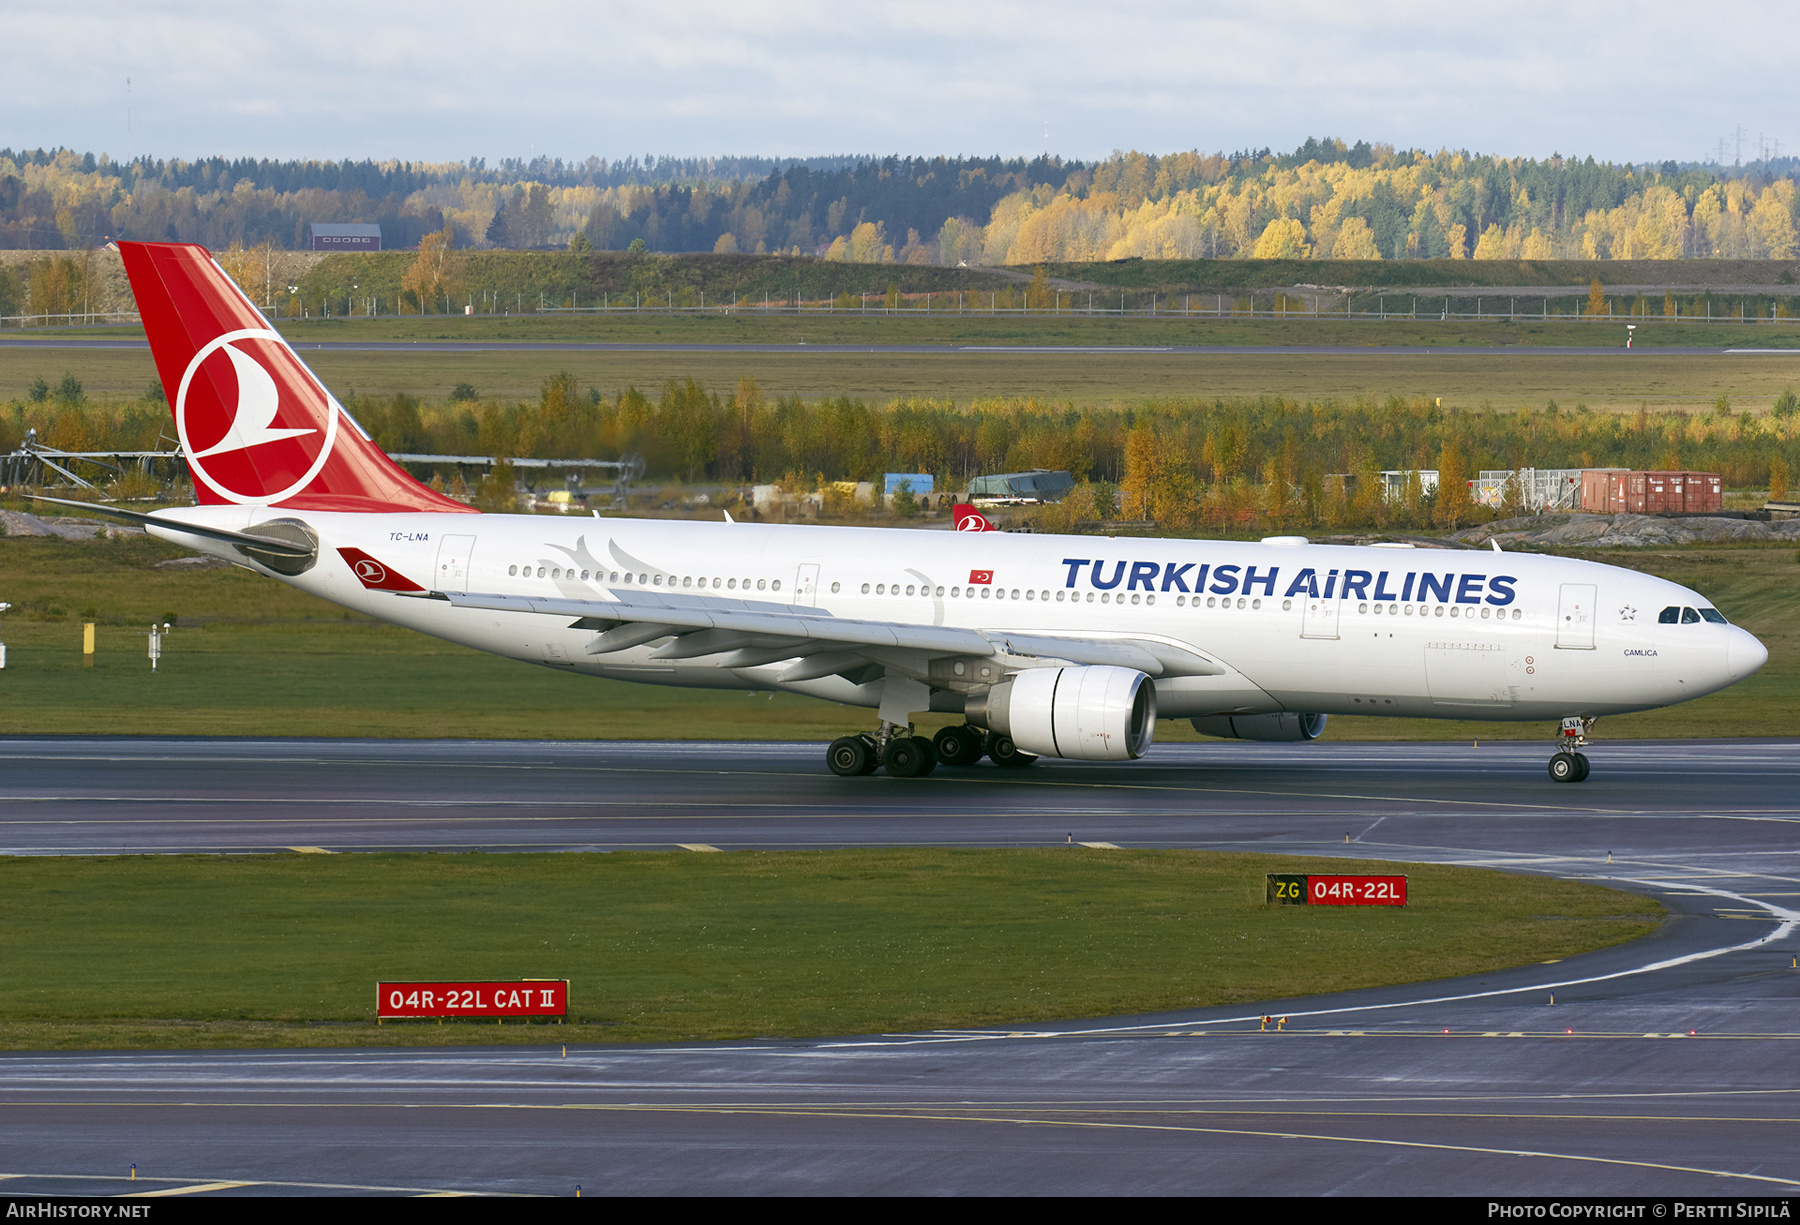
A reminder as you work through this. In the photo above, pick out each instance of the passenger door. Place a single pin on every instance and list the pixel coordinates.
(1575, 617)
(806, 584)
(1320, 618)
(452, 572)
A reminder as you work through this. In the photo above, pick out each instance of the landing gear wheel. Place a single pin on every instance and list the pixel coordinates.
(1003, 752)
(1581, 764)
(849, 756)
(909, 757)
(1567, 768)
(958, 746)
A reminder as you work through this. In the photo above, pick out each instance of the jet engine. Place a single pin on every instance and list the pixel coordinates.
(1086, 713)
(1284, 726)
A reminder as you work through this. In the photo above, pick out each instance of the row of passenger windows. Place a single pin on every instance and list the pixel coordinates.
(1669, 616)
(648, 580)
(1181, 601)
(1676, 615)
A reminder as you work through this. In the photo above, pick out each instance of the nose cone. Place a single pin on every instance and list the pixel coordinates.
(1744, 654)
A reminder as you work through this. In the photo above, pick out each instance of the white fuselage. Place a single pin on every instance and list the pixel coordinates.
(1292, 626)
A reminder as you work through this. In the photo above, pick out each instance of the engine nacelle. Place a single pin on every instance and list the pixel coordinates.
(1088, 714)
(1284, 726)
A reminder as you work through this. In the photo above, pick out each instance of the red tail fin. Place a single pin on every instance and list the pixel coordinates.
(258, 428)
(968, 519)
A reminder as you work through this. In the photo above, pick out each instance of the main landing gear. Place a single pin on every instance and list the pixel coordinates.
(905, 755)
(1569, 764)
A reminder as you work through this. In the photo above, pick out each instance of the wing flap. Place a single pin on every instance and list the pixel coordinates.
(642, 617)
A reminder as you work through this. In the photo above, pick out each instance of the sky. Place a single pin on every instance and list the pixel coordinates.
(452, 79)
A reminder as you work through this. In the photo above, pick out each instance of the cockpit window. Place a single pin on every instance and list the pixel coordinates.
(1714, 615)
(1669, 615)
(1689, 617)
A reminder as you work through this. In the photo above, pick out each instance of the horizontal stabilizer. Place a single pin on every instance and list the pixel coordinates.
(263, 544)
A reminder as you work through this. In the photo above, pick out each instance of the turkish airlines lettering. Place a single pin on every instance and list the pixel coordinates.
(1048, 646)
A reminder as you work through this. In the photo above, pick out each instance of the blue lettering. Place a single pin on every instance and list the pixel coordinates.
(1172, 574)
(1307, 580)
(1429, 583)
(1074, 564)
(1267, 580)
(1224, 580)
(1469, 590)
(1381, 591)
(1330, 582)
(1356, 584)
(1118, 576)
(1144, 572)
(1500, 589)
(1200, 579)
(1406, 591)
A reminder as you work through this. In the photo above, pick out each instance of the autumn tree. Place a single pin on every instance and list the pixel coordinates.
(438, 270)
(1596, 303)
(1452, 505)
(1282, 238)
(253, 268)
(1159, 482)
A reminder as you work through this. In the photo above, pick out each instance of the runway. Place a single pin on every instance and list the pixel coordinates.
(802, 348)
(1667, 1067)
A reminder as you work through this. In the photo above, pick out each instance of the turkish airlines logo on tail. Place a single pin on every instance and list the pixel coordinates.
(968, 519)
(255, 426)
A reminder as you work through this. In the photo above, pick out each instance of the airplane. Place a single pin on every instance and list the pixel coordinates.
(1047, 646)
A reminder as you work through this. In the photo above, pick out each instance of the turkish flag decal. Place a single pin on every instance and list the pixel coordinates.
(980, 578)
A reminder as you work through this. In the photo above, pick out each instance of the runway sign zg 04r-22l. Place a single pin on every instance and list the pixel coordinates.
(529, 997)
(1294, 889)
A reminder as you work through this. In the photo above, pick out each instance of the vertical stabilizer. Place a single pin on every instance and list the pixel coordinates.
(258, 428)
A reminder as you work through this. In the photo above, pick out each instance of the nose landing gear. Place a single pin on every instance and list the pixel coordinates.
(1569, 764)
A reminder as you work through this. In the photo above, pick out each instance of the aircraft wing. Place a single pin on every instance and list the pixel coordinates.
(756, 632)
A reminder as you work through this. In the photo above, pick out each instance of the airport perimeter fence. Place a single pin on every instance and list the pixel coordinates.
(1771, 310)
(76, 319)
(1474, 308)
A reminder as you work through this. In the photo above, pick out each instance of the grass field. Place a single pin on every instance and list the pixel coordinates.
(1508, 377)
(250, 656)
(285, 951)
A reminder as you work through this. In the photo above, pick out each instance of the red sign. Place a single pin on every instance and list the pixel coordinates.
(1356, 890)
(980, 578)
(529, 997)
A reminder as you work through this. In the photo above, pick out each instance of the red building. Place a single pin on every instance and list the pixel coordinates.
(346, 237)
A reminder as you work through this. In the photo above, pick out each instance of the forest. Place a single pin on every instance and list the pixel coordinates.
(1326, 200)
(1221, 465)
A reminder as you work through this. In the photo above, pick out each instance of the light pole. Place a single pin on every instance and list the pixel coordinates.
(3, 608)
(1629, 329)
